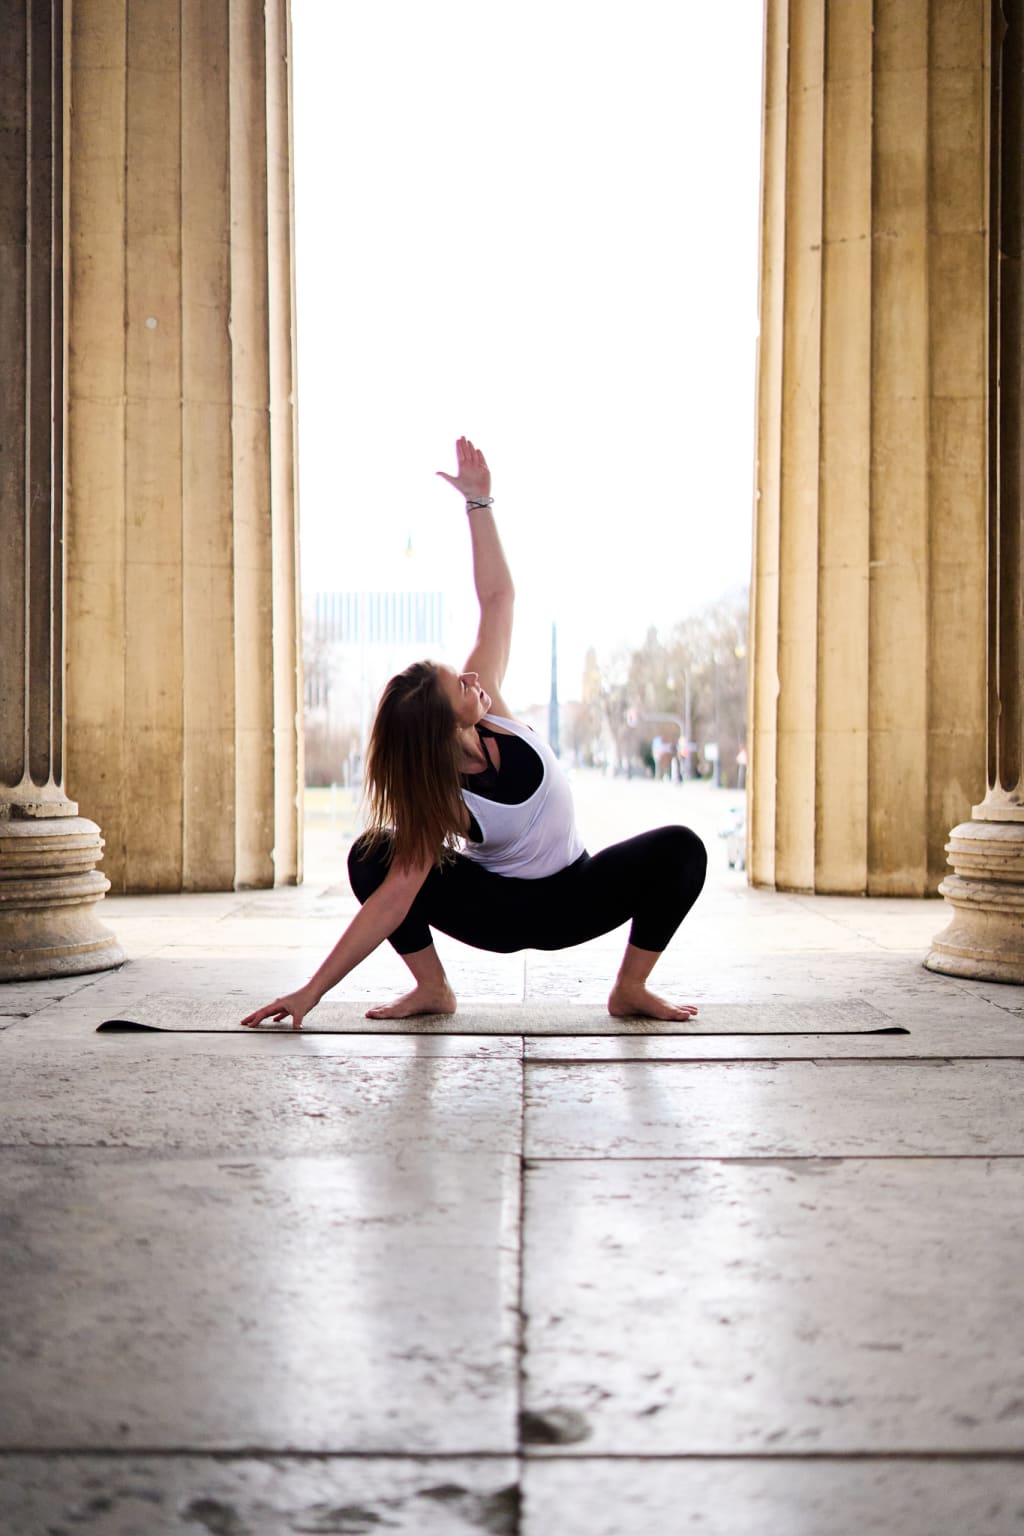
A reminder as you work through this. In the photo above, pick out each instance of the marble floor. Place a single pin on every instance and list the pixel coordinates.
(516, 1275)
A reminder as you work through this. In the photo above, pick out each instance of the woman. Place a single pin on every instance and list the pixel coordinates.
(472, 828)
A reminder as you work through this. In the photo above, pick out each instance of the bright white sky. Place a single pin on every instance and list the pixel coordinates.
(534, 223)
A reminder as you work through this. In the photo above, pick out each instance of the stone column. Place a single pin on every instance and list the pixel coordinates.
(867, 622)
(49, 885)
(183, 627)
(985, 938)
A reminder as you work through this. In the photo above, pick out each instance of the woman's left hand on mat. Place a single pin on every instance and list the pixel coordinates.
(295, 1005)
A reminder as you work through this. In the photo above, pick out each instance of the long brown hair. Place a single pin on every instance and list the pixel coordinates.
(413, 769)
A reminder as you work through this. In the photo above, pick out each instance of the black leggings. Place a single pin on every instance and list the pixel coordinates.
(654, 879)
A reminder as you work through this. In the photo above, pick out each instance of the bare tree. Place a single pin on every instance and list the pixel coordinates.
(697, 674)
(329, 745)
(586, 725)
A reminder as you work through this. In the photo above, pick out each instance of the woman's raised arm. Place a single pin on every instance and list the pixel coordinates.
(491, 575)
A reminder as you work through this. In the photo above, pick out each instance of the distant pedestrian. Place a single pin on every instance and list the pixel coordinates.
(661, 751)
(473, 830)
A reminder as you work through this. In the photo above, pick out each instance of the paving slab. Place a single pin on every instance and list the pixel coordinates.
(703, 974)
(1001, 994)
(752, 1497)
(987, 1032)
(21, 999)
(304, 1303)
(215, 978)
(288, 958)
(768, 970)
(890, 923)
(824, 1108)
(695, 945)
(334, 904)
(827, 1307)
(272, 1042)
(300, 930)
(205, 906)
(230, 991)
(260, 1105)
(189, 1495)
(253, 978)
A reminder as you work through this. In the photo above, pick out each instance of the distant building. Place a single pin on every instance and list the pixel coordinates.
(355, 641)
(379, 618)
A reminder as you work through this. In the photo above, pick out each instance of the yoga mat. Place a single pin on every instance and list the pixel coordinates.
(176, 1014)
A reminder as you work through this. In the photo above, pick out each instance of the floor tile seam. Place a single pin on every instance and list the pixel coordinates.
(967, 986)
(534, 1158)
(533, 1455)
(482, 1037)
(538, 1455)
(624, 1060)
(1013, 1013)
(528, 1160)
(263, 1152)
(249, 1453)
(737, 1061)
(521, 1314)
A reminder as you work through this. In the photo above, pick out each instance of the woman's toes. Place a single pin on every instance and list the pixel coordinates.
(418, 1001)
(638, 1002)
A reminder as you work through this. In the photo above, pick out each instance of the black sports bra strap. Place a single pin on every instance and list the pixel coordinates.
(519, 775)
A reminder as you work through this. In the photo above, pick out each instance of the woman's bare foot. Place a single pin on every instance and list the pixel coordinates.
(423, 999)
(631, 1000)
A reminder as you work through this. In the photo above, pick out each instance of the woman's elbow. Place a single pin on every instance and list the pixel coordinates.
(501, 596)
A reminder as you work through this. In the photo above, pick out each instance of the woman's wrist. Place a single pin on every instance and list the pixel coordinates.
(475, 502)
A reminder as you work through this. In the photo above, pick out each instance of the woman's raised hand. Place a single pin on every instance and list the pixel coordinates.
(473, 478)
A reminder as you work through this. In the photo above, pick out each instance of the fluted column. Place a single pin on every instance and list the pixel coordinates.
(183, 687)
(49, 885)
(985, 888)
(867, 718)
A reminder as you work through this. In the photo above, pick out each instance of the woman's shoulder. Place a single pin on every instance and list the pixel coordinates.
(504, 725)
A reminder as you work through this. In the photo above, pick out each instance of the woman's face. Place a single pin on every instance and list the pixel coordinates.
(468, 700)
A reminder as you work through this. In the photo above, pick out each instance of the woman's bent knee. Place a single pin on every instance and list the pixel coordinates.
(687, 850)
(687, 859)
(697, 853)
(697, 860)
(368, 863)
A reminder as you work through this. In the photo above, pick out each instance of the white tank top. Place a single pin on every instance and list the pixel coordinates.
(534, 839)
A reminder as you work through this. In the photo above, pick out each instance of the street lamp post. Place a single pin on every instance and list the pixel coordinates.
(686, 770)
(688, 723)
(718, 730)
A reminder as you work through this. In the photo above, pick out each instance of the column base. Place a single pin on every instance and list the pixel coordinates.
(49, 888)
(985, 939)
